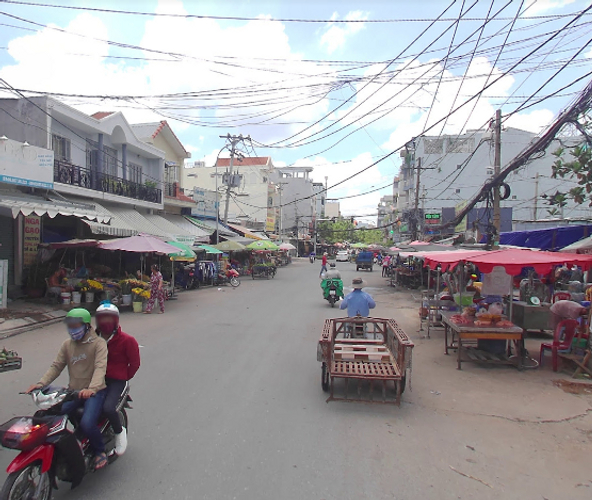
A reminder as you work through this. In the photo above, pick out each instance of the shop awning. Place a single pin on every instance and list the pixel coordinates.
(210, 225)
(243, 231)
(513, 260)
(12, 204)
(187, 226)
(177, 233)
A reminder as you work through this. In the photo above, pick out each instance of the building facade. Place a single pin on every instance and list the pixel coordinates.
(248, 200)
(452, 169)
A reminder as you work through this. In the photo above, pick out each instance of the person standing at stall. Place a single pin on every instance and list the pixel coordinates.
(156, 290)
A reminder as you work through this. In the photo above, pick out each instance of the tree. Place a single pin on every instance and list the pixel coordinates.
(575, 163)
(337, 231)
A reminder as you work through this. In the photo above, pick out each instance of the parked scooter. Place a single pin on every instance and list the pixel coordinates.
(311, 258)
(230, 277)
(51, 446)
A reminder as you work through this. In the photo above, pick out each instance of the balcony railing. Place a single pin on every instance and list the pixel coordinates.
(66, 173)
(169, 189)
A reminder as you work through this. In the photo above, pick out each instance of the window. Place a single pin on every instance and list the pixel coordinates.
(109, 158)
(134, 173)
(61, 147)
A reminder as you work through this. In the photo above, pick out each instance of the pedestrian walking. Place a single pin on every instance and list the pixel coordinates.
(385, 265)
(323, 265)
(156, 290)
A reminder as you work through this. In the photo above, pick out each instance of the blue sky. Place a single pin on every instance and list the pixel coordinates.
(273, 93)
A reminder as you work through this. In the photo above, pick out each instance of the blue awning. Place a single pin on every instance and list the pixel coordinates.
(551, 239)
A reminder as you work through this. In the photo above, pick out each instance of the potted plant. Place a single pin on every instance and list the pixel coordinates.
(93, 287)
(138, 296)
(126, 292)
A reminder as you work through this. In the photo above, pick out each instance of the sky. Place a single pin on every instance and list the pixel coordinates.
(336, 96)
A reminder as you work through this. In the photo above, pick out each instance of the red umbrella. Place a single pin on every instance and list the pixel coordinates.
(142, 243)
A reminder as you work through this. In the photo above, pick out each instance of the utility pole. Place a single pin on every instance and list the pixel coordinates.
(281, 225)
(497, 163)
(232, 142)
(536, 196)
(416, 205)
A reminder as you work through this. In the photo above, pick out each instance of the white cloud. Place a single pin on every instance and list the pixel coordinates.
(540, 6)
(218, 56)
(337, 34)
(535, 121)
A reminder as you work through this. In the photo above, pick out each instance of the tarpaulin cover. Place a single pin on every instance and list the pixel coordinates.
(546, 239)
(513, 260)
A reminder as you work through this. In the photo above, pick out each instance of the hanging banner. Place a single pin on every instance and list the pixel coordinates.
(32, 238)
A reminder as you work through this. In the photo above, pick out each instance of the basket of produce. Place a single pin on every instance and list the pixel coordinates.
(10, 360)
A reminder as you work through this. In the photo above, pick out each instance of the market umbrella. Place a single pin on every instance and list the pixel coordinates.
(582, 246)
(209, 249)
(183, 254)
(263, 245)
(230, 246)
(287, 246)
(141, 243)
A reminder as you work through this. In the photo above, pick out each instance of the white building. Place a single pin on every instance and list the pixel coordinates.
(454, 168)
(332, 209)
(248, 202)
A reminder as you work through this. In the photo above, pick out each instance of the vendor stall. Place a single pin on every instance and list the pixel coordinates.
(482, 324)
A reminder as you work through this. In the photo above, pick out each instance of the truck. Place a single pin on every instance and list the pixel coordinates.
(365, 260)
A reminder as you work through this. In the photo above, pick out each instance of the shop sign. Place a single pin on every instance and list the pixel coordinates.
(432, 218)
(32, 238)
(206, 203)
(25, 165)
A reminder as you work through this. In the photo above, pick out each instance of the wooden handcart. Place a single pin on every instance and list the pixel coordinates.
(10, 360)
(364, 349)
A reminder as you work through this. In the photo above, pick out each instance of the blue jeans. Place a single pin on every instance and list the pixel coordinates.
(323, 269)
(113, 392)
(93, 407)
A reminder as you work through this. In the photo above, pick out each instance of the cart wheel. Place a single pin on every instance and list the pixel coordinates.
(403, 383)
(324, 377)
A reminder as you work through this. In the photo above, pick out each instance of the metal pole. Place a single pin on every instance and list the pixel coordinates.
(228, 187)
(281, 213)
(536, 196)
(217, 203)
(416, 207)
(497, 159)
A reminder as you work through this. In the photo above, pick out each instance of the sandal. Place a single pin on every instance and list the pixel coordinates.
(100, 461)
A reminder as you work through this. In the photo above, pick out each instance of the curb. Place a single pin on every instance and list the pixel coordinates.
(26, 328)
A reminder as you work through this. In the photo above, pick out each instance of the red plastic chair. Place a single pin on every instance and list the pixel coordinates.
(561, 296)
(562, 339)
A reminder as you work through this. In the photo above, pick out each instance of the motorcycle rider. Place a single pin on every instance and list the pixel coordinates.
(85, 355)
(358, 302)
(333, 273)
(122, 364)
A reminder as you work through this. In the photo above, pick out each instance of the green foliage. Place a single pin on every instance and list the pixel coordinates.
(574, 163)
(344, 230)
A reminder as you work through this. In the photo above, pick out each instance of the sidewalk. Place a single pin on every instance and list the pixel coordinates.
(21, 316)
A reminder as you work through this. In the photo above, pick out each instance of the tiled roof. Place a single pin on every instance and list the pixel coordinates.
(247, 162)
(102, 114)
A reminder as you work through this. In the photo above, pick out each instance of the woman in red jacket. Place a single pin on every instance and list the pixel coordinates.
(123, 362)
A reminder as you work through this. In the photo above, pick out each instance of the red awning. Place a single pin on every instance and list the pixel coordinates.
(513, 260)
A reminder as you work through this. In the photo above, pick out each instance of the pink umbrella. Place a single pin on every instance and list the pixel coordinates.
(394, 249)
(142, 243)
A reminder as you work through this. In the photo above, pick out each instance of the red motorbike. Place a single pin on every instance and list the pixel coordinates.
(51, 446)
(228, 277)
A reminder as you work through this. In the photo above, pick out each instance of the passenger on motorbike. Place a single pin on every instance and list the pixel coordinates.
(122, 364)
(333, 273)
(333, 276)
(85, 355)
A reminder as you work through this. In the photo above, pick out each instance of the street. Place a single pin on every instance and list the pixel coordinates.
(228, 405)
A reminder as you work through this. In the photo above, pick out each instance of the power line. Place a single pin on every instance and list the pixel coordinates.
(267, 19)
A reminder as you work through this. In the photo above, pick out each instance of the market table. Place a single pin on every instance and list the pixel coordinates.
(531, 317)
(472, 332)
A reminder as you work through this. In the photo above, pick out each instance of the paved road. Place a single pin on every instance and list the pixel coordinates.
(228, 405)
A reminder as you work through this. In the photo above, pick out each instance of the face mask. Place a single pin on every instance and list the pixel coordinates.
(77, 333)
(106, 326)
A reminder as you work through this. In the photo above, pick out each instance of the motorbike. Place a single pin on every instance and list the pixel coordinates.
(311, 258)
(332, 290)
(51, 445)
(224, 278)
(192, 281)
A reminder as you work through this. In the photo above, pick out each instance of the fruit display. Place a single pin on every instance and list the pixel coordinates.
(9, 360)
